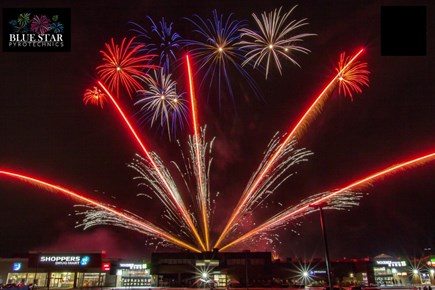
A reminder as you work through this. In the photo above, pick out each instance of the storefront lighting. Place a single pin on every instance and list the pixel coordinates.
(204, 275)
(305, 274)
(432, 271)
(394, 270)
(415, 271)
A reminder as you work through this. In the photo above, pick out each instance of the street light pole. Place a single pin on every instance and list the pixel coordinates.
(325, 242)
(246, 270)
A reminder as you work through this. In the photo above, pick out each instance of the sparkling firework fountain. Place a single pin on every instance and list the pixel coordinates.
(126, 67)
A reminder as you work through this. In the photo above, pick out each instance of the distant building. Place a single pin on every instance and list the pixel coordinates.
(256, 269)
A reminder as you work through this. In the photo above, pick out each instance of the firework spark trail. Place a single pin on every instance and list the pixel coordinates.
(288, 158)
(148, 174)
(195, 155)
(172, 191)
(292, 212)
(200, 167)
(303, 122)
(142, 225)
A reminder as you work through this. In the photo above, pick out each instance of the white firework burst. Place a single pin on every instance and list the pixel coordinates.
(162, 104)
(274, 41)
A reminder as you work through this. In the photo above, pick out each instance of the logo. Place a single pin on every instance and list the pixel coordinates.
(105, 266)
(85, 260)
(17, 266)
(33, 30)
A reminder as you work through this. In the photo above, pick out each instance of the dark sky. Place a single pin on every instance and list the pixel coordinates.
(45, 129)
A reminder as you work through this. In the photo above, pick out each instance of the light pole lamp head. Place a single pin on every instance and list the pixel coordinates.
(318, 204)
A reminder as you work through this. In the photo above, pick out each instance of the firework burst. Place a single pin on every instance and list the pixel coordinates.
(122, 66)
(161, 104)
(40, 24)
(94, 96)
(216, 52)
(351, 77)
(162, 40)
(275, 41)
(219, 53)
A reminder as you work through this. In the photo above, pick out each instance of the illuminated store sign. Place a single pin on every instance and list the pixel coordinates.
(133, 266)
(64, 260)
(392, 263)
(105, 266)
(317, 272)
(431, 262)
(17, 266)
(67, 260)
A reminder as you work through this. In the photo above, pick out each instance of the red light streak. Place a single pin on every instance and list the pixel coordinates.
(145, 226)
(283, 216)
(267, 167)
(198, 157)
(179, 204)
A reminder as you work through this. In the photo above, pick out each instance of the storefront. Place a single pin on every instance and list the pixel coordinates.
(133, 274)
(17, 272)
(66, 270)
(430, 270)
(390, 272)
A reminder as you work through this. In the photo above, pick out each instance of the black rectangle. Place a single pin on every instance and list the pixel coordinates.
(36, 29)
(403, 30)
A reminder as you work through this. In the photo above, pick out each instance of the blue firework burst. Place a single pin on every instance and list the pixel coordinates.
(216, 52)
(161, 40)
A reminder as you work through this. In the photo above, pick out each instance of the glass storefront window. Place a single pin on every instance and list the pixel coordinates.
(17, 278)
(62, 280)
(91, 279)
(131, 278)
(27, 278)
(40, 279)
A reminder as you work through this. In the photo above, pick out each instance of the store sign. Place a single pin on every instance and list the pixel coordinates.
(392, 263)
(317, 272)
(105, 266)
(58, 260)
(64, 260)
(431, 262)
(207, 263)
(132, 266)
(17, 266)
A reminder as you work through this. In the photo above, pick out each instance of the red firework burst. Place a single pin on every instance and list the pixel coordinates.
(94, 96)
(353, 77)
(123, 66)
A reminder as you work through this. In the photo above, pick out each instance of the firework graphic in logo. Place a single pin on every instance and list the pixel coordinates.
(85, 260)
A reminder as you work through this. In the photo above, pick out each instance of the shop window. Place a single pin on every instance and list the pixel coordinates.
(62, 280)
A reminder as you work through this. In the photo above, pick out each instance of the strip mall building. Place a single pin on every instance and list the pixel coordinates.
(187, 269)
(73, 270)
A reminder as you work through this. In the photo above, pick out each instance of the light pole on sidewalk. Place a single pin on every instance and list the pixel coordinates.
(325, 241)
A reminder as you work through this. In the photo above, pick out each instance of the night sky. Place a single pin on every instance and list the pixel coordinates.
(46, 130)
